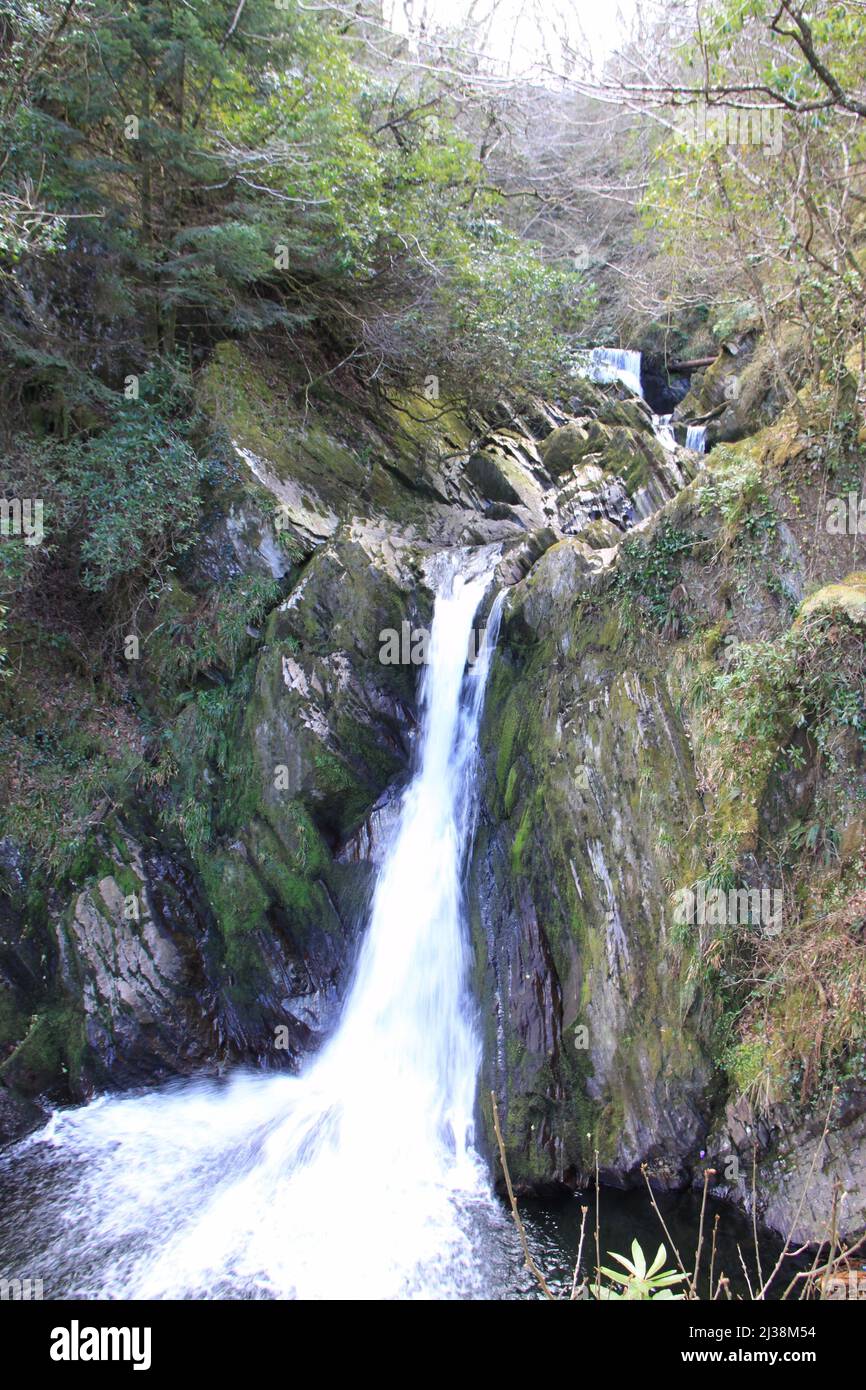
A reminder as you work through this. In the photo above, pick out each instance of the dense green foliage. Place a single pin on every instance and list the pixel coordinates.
(779, 711)
(173, 175)
(176, 174)
(223, 176)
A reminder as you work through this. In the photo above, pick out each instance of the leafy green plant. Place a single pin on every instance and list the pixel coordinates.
(640, 1281)
(812, 677)
(814, 837)
(133, 489)
(648, 573)
(747, 1063)
(737, 488)
(212, 637)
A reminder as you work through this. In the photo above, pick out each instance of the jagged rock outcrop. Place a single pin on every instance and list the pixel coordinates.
(740, 393)
(621, 769)
(600, 1029)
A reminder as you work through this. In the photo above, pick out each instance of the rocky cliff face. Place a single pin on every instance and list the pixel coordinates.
(673, 721)
(665, 713)
(209, 914)
(600, 1026)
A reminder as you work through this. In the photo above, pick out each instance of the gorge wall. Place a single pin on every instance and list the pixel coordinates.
(673, 702)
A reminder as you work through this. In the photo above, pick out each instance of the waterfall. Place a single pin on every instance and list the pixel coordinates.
(613, 364)
(357, 1178)
(620, 364)
(663, 429)
(696, 438)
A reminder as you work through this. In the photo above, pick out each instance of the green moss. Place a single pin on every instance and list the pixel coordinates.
(240, 905)
(364, 745)
(308, 852)
(237, 397)
(525, 1120)
(127, 881)
(847, 598)
(423, 423)
(565, 448)
(209, 733)
(13, 1022)
(736, 485)
(340, 797)
(291, 863)
(50, 1055)
(521, 841)
(745, 1063)
(508, 732)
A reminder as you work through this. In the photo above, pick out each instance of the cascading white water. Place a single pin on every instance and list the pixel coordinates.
(613, 364)
(696, 438)
(357, 1178)
(605, 364)
(621, 364)
(663, 429)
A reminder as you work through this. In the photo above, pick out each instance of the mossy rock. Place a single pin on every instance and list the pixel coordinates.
(600, 534)
(315, 464)
(49, 1058)
(847, 597)
(743, 388)
(565, 448)
(631, 455)
(590, 805)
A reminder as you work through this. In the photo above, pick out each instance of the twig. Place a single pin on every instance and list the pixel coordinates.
(713, 1252)
(527, 1254)
(708, 1173)
(755, 1213)
(583, 1212)
(808, 1275)
(746, 1275)
(643, 1169)
(597, 1228)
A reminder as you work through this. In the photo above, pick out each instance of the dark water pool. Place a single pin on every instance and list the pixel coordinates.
(553, 1227)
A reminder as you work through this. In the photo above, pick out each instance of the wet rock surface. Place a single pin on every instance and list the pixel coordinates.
(601, 792)
(599, 1031)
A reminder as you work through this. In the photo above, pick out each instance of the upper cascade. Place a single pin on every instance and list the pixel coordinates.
(604, 365)
(663, 429)
(696, 438)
